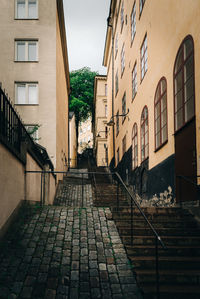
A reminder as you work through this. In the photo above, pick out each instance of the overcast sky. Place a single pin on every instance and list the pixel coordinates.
(86, 24)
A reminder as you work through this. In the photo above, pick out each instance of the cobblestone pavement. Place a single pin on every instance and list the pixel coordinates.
(71, 196)
(59, 252)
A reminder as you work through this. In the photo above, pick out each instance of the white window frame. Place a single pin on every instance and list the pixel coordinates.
(122, 59)
(133, 22)
(134, 81)
(26, 42)
(26, 84)
(26, 10)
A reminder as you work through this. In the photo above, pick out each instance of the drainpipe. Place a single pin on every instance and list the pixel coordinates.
(110, 24)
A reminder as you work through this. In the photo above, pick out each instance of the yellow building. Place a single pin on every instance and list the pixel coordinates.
(152, 54)
(34, 70)
(85, 136)
(100, 129)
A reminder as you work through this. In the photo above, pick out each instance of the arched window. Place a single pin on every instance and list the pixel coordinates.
(160, 103)
(144, 134)
(134, 147)
(184, 84)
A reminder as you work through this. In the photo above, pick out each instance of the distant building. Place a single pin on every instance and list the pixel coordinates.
(100, 129)
(72, 141)
(85, 135)
(34, 70)
(152, 57)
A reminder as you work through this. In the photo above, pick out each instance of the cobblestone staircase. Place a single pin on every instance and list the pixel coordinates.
(179, 263)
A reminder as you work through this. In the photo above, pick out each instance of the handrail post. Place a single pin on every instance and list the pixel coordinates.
(157, 271)
(82, 189)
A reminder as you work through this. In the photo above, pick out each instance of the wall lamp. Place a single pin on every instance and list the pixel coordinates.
(111, 123)
(98, 135)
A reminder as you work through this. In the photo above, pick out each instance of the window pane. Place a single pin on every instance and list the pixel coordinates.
(178, 100)
(21, 12)
(21, 94)
(32, 9)
(157, 140)
(179, 118)
(164, 102)
(158, 124)
(32, 51)
(20, 51)
(189, 109)
(188, 47)
(188, 69)
(179, 60)
(163, 118)
(164, 134)
(32, 94)
(178, 82)
(189, 89)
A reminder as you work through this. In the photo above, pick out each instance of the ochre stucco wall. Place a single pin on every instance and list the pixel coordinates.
(61, 106)
(11, 184)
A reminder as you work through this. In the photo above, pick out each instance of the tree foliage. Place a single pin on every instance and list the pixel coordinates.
(82, 91)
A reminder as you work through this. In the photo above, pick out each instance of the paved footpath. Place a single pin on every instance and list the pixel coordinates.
(65, 252)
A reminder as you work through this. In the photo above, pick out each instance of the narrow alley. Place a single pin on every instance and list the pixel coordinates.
(67, 251)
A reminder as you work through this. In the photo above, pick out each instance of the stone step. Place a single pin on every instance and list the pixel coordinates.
(126, 230)
(168, 240)
(158, 217)
(137, 250)
(169, 292)
(158, 224)
(165, 276)
(166, 262)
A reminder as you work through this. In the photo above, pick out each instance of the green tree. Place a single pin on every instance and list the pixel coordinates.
(82, 91)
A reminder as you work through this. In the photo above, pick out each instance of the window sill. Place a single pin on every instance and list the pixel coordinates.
(26, 19)
(164, 143)
(26, 104)
(26, 61)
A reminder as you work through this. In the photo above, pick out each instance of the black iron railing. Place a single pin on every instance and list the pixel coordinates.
(11, 128)
(14, 135)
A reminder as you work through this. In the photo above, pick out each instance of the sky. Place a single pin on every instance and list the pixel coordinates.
(86, 25)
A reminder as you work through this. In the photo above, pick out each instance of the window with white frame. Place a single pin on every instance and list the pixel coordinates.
(33, 131)
(117, 123)
(106, 110)
(26, 50)
(116, 45)
(134, 81)
(141, 5)
(124, 106)
(122, 59)
(134, 147)
(26, 93)
(116, 83)
(122, 15)
(133, 22)
(143, 57)
(106, 89)
(26, 9)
